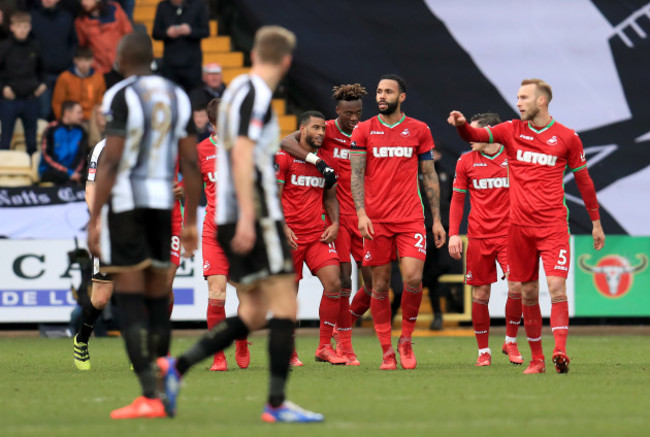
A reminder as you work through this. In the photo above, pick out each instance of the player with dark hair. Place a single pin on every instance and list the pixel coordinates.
(302, 190)
(250, 220)
(386, 153)
(148, 125)
(215, 263)
(336, 148)
(539, 150)
(483, 173)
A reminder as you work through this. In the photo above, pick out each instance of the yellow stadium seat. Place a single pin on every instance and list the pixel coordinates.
(215, 44)
(144, 13)
(231, 73)
(279, 106)
(288, 122)
(230, 59)
(15, 168)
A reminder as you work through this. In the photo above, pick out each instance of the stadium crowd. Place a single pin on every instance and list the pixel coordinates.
(56, 53)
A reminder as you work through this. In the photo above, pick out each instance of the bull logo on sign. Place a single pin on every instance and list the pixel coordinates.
(613, 274)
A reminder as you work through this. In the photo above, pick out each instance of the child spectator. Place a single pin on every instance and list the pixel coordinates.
(100, 26)
(53, 29)
(64, 148)
(81, 83)
(202, 123)
(22, 81)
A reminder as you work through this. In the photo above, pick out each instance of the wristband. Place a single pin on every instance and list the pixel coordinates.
(311, 158)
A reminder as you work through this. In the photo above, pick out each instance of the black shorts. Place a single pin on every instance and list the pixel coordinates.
(270, 255)
(136, 239)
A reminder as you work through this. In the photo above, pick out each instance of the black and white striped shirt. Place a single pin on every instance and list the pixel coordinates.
(153, 114)
(245, 110)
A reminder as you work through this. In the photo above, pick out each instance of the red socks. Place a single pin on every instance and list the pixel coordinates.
(481, 322)
(533, 326)
(216, 312)
(513, 314)
(328, 313)
(360, 304)
(344, 320)
(380, 309)
(560, 322)
(411, 300)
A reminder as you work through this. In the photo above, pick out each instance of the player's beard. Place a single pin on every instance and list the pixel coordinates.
(530, 114)
(391, 107)
(312, 143)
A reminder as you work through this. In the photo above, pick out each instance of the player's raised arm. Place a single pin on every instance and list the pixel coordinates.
(242, 169)
(456, 119)
(466, 131)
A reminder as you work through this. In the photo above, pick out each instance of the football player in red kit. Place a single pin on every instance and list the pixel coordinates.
(539, 151)
(336, 148)
(386, 153)
(303, 194)
(215, 263)
(483, 173)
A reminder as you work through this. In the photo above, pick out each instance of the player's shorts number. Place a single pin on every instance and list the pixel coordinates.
(176, 243)
(562, 257)
(420, 241)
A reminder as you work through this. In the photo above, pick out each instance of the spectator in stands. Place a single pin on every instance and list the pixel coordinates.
(81, 83)
(53, 28)
(181, 25)
(211, 88)
(100, 26)
(22, 81)
(64, 148)
(128, 6)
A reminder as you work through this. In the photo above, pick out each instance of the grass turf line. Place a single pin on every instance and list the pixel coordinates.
(606, 392)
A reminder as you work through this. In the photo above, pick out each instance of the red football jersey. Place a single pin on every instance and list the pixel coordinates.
(392, 194)
(538, 160)
(336, 148)
(302, 195)
(485, 177)
(207, 155)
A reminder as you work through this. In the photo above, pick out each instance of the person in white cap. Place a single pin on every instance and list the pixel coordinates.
(212, 87)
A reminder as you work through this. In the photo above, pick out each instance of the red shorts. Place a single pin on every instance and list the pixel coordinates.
(527, 244)
(405, 239)
(316, 254)
(482, 256)
(177, 228)
(214, 258)
(349, 240)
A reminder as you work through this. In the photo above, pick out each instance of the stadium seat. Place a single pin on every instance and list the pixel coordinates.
(15, 168)
(36, 161)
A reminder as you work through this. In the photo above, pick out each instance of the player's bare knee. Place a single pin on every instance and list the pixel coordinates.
(557, 287)
(101, 294)
(530, 290)
(481, 292)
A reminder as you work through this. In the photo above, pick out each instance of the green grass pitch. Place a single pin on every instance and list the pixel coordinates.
(605, 393)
